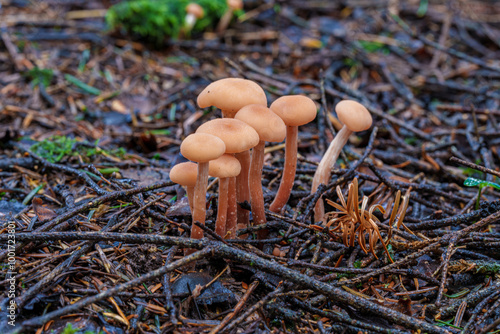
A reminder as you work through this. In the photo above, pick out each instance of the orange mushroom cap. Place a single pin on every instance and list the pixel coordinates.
(353, 115)
(294, 110)
(196, 10)
(268, 125)
(237, 135)
(224, 166)
(235, 4)
(231, 94)
(184, 174)
(202, 147)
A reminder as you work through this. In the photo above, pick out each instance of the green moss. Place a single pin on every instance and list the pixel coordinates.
(153, 21)
(69, 329)
(55, 148)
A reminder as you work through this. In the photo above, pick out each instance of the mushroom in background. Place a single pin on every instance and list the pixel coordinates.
(355, 118)
(194, 12)
(294, 110)
(233, 5)
(201, 148)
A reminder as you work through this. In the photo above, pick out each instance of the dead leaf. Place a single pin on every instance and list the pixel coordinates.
(43, 213)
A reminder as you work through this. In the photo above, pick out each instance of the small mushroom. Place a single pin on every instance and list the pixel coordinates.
(201, 148)
(233, 5)
(270, 127)
(355, 118)
(230, 95)
(185, 174)
(238, 137)
(294, 110)
(225, 167)
(194, 12)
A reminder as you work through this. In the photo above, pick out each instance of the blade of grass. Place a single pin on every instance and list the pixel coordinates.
(82, 85)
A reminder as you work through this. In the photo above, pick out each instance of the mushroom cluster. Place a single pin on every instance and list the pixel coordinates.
(231, 148)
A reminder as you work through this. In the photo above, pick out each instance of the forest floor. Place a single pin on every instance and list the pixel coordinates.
(93, 231)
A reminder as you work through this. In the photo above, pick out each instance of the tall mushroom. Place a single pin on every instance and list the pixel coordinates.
(230, 95)
(225, 167)
(201, 148)
(355, 118)
(270, 127)
(238, 137)
(294, 110)
(185, 174)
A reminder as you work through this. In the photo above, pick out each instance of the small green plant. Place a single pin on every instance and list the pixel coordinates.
(69, 329)
(411, 140)
(354, 66)
(472, 182)
(40, 76)
(154, 21)
(55, 148)
(373, 46)
(422, 8)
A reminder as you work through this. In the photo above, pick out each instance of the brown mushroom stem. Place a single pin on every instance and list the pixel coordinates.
(231, 222)
(289, 169)
(324, 170)
(255, 182)
(190, 195)
(199, 203)
(241, 185)
(220, 224)
(242, 190)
